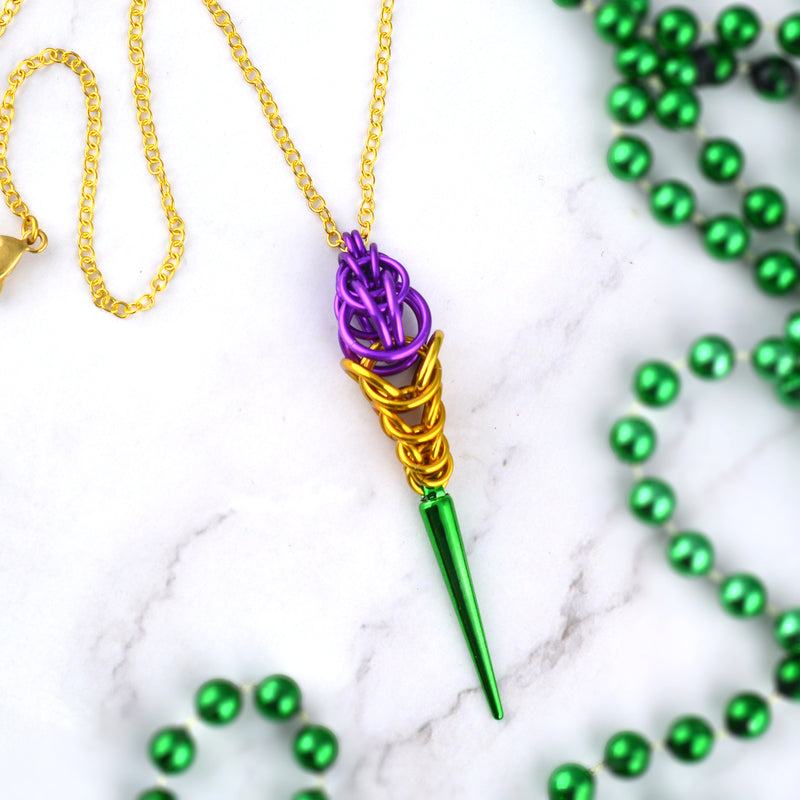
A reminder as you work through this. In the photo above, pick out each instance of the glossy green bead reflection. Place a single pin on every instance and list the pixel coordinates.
(774, 358)
(725, 237)
(616, 21)
(652, 501)
(568, 3)
(680, 70)
(788, 389)
(633, 440)
(218, 702)
(628, 103)
(637, 59)
(678, 108)
(792, 328)
(787, 630)
(310, 794)
(672, 202)
(712, 358)
(721, 160)
(774, 78)
(172, 750)
(627, 755)
(656, 384)
(570, 782)
(764, 207)
(738, 27)
(676, 29)
(629, 158)
(278, 698)
(743, 595)
(315, 748)
(789, 35)
(690, 553)
(747, 716)
(690, 739)
(156, 794)
(777, 272)
(787, 677)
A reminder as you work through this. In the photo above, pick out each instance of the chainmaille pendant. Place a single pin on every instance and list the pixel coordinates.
(372, 291)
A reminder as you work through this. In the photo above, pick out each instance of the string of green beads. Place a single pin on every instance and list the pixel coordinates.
(787, 678)
(773, 358)
(787, 630)
(629, 158)
(738, 27)
(725, 237)
(764, 207)
(172, 750)
(638, 59)
(676, 29)
(616, 21)
(633, 440)
(672, 202)
(570, 782)
(743, 595)
(627, 755)
(777, 272)
(278, 698)
(218, 702)
(690, 739)
(652, 501)
(721, 160)
(712, 358)
(789, 35)
(747, 715)
(629, 103)
(656, 384)
(315, 748)
(690, 553)
(678, 108)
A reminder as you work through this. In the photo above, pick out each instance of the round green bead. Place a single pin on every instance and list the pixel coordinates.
(656, 384)
(738, 26)
(616, 21)
(747, 715)
(570, 782)
(789, 35)
(764, 207)
(568, 3)
(652, 501)
(278, 698)
(774, 78)
(678, 108)
(792, 328)
(633, 440)
(690, 739)
(218, 702)
(787, 677)
(776, 272)
(725, 237)
(315, 748)
(743, 595)
(628, 103)
(721, 160)
(680, 70)
(629, 158)
(172, 750)
(774, 358)
(676, 29)
(672, 202)
(637, 59)
(712, 357)
(627, 755)
(310, 794)
(788, 389)
(690, 553)
(787, 630)
(156, 794)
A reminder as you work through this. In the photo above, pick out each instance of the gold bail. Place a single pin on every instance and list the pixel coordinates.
(11, 250)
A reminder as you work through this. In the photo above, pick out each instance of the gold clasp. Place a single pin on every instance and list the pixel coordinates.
(11, 249)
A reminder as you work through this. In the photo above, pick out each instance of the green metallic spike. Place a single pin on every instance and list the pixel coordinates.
(439, 515)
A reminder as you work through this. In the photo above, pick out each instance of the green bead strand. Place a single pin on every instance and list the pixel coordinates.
(691, 554)
(777, 273)
(676, 29)
(633, 440)
(787, 678)
(774, 358)
(792, 328)
(725, 237)
(678, 108)
(690, 739)
(774, 78)
(787, 630)
(568, 3)
(278, 698)
(616, 21)
(672, 202)
(652, 501)
(721, 160)
(218, 702)
(629, 158)
(743, 595)
(747, 716)
(310, 794)
(172, 750)
(788, 389)
(656, 384)
(764, 207)
(789, 35)
(712, 358)
(629, 103)
(315, 748)
(570, 782)
(156, 794)
(680, 70)
(627, 755)
(738, 27)
(637, 60)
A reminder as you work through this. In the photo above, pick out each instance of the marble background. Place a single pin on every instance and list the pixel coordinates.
(201, 491)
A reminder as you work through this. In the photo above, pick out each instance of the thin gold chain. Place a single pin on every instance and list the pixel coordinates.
(36, 238)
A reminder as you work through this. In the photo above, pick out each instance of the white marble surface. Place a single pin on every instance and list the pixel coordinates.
(201, 491)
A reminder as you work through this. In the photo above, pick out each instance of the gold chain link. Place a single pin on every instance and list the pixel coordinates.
(36, 239)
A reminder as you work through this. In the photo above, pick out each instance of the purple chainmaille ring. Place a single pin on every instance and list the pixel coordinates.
(371, 291)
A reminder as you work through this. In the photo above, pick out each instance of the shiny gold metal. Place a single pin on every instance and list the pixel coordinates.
(11, 251)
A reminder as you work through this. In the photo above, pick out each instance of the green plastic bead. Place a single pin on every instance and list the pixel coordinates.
(725, 237)
(172, 750)
(672, 202)
(156, 794)
(652, 501)
(764, 207)
(656, 384)
(570, 782)
(633, 440)
(568, 3)
(218, 702)
(712, 357)
(691, 554)
(743, 595)
(637, 60)
(738, 27)
(747, 716)
(774, 78)
(678, 108)
(690, 739)
(676, 29)
(616, 21)
(789, 35)
(627, 755)
(721, 160)
(310, 794)
(787, 677)
(788, 389)
(629, 103)
(680, 70)
(777, 272)
(278, 698)
(774, 358)
(787, 630)
(315, 748)
(792, 328)
(629, 158)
